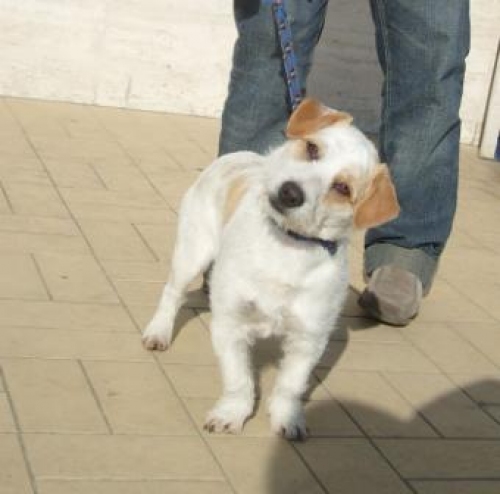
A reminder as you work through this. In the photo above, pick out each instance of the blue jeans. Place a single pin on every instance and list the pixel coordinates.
(421, 47)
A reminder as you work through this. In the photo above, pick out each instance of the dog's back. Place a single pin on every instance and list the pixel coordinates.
(211, 201)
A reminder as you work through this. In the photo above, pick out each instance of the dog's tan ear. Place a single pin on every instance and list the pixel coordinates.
(311, 116)
(379, 204)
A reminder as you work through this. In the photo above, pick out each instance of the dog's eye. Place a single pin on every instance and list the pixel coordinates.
(342, 188)
(312, 151)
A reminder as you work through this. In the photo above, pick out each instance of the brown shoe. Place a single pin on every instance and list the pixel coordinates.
(393, 295)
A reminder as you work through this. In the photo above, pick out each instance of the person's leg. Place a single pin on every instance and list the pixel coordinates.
(422, 48)
(257, 107)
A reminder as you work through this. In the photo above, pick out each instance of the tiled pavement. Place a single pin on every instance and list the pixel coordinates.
(88, 200)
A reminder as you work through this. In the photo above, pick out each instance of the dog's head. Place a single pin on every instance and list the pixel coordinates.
(327, 178)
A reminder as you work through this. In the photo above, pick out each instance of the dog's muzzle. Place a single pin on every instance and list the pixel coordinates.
(290, 195)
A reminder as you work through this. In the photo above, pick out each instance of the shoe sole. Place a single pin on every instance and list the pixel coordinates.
(379, 315)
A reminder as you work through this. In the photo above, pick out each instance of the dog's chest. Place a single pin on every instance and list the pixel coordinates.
(264, 320)
(269, 310)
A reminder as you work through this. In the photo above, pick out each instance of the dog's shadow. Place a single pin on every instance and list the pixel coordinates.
(381, 452)
(196, 302)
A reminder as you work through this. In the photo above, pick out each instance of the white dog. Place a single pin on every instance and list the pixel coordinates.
(277, 229)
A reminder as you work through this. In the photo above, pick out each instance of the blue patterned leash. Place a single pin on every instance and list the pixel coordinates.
(289, 58)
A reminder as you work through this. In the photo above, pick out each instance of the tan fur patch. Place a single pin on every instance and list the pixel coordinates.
(311, 116)
(379, 203)
(235, 193)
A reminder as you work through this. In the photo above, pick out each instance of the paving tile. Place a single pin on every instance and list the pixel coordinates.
(445, 406)
(126, 199)
(263, 465)
(350, 466)
(117, 241)
(191, 343)
(30, 243)
(362, 329)
(119, 214)
(64, 315)
(326, 418)
(14, 477)
(160, 238)
(73, 173)
(38, 225)
(62, 344)
(20, 278)
(30, 111)
(154, 161)
(460, 239)
(375, 356)
(375, 405)
(448, 350)
(117, 206)
(131, 487)
(195, 128)
(491, 240)
(137, 399)
(124, 177)
(443, 459)
(457, 487)
(447, 304)
(35, 200)
(75, 278)
(494, 411)
(174, 185)
(467, 220)
(51, 146)
(7, 423)
(136, 271)
(52, 396)
(481, 267)
(195, 381)
(484, 337)
(4, 203)
(141, 314)
(24, 171)
(13, 143)
(139, 292)
(484, 296)
(120, 457)
(484, 389)
(188, 154)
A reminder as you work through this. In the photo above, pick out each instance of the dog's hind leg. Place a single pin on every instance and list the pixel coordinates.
(195, 249)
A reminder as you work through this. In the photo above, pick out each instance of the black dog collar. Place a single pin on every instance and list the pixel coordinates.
(329, 245)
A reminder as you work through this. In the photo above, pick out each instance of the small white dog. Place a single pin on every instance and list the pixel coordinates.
(277, 229)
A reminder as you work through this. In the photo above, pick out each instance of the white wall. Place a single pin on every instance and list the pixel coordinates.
(171, 55)
(485, 16)
(153, 54)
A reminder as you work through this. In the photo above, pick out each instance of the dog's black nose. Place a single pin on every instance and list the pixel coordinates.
(290, 195)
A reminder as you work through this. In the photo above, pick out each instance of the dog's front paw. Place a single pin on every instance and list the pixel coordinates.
(228, 415)
(155, 342)
(156, 336)
(287, 418)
